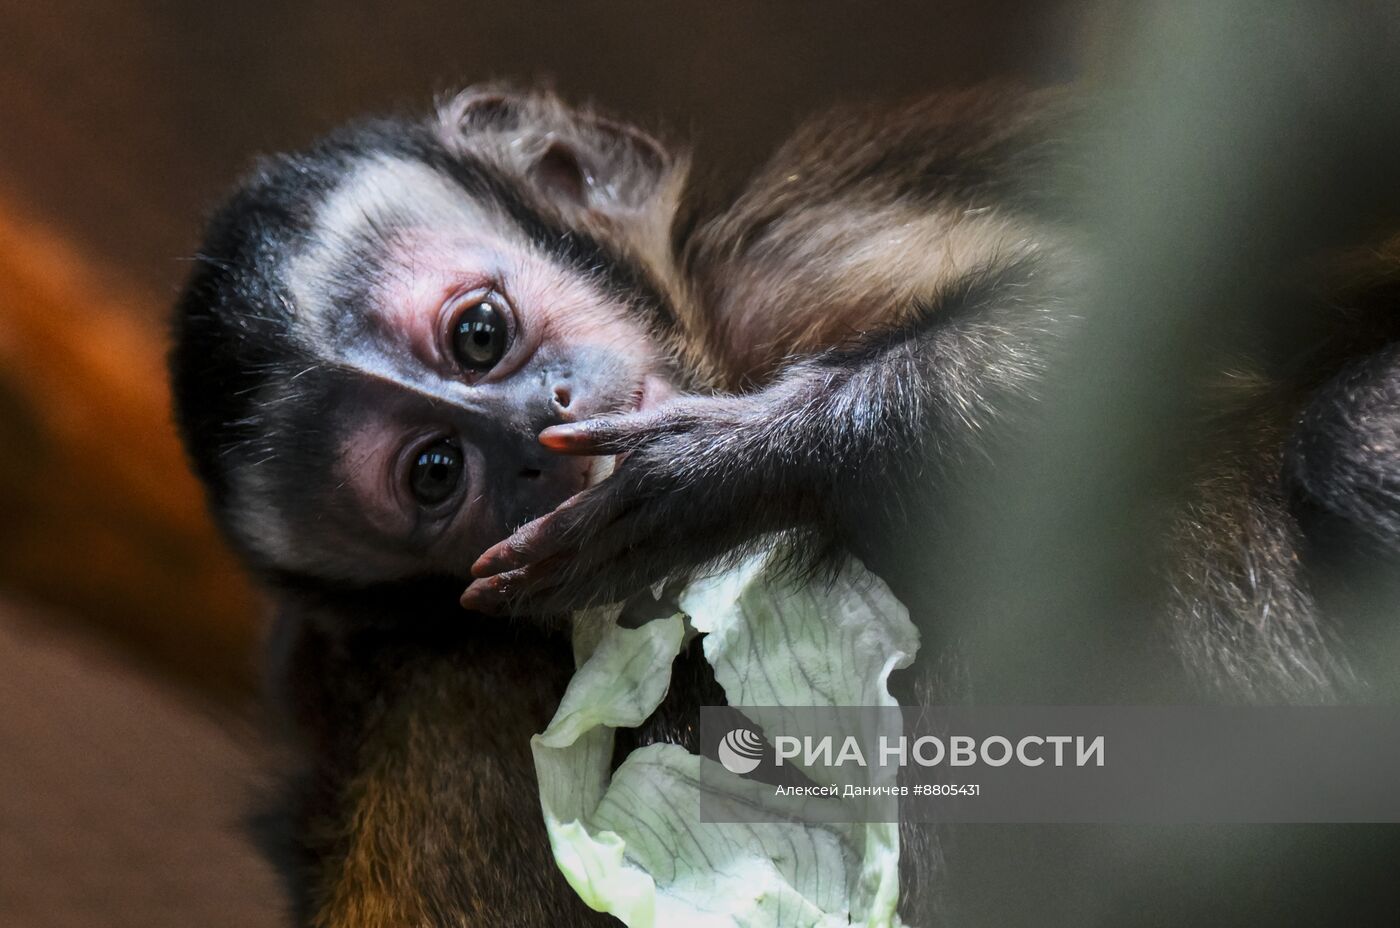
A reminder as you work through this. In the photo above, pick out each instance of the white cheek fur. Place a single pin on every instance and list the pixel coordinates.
(409, 193)
(446, 243)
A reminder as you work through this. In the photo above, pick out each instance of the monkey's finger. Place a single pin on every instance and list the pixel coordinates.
(494, 595)
(562, 580)
(609, 435)
(486, 596)
(533, 541)
(530, 587)
(579, 521)
(582, 438)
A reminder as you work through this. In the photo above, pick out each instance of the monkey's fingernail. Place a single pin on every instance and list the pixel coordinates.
(488, 564)
(563, 437)
(480, 597)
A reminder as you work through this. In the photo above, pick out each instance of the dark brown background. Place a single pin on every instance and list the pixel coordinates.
(126, 634)
(124, 119)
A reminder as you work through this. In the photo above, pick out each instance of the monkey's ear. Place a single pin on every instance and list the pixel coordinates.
(481, 109)
(560, 174)
(605, 166)
(576, 158)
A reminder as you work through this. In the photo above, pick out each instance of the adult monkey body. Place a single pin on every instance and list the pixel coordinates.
(381, 329)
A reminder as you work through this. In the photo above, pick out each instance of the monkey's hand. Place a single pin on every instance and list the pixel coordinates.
(696, 478)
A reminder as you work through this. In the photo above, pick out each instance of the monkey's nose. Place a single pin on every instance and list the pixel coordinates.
(562, 399)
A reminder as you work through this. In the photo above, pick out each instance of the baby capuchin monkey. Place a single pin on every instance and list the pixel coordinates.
(418, 339)
(501, 349)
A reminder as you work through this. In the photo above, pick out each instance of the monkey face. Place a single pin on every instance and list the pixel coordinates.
(381, 327)
(439, 343)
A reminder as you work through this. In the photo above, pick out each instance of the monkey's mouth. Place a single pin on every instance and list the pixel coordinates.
(599, 469)
(650, 393)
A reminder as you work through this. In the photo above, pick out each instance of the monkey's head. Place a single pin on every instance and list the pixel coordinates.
(378, 329)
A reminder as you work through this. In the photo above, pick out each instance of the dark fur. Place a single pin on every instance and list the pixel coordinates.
(850, 396)
(415, 800)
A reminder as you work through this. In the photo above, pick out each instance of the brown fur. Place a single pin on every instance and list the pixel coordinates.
(419, 806)
(864, 213)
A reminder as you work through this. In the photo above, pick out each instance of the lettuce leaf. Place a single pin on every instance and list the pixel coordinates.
(632, 843)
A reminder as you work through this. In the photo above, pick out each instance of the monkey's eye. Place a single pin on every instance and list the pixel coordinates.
(435, 473)
(480, 335)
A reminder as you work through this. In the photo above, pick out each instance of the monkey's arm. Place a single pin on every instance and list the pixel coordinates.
(837, 443)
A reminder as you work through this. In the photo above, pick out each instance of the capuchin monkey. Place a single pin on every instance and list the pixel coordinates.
(503, 348)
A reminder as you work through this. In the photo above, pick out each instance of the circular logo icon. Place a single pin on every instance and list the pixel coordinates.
(741, 751)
